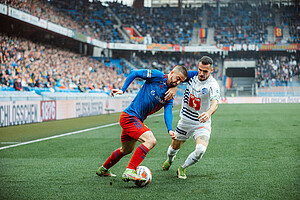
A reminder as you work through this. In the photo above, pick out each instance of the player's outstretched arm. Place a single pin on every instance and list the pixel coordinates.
(116, 91)
(173, 135)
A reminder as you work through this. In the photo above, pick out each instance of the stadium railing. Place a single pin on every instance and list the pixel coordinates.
(72, 96)
(20, 96)
(280, 91)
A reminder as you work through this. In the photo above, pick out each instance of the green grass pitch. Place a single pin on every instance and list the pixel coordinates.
(254, 153)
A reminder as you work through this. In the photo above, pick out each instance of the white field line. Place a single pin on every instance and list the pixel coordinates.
(9, 142)
(70, 133)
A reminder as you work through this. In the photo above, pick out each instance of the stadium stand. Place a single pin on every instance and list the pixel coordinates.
(41, 68)
(164, 25)
(277, 71)
(241, 23)
(90, 19)
(32, 66)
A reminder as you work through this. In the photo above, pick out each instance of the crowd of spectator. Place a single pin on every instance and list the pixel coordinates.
(276, 71)
(25, 65)
(91, 19)
(241, 23)
(292, 20)
(164, 24)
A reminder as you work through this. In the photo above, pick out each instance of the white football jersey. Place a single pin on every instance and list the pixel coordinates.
(197, 97)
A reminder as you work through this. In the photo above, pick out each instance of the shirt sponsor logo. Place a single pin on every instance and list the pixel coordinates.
(204, 91)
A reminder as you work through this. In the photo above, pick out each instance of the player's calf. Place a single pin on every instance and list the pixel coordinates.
(171, 155)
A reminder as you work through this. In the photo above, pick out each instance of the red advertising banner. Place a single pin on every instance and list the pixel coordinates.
(48, 110)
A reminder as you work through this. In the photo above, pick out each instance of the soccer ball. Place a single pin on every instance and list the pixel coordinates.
(144, 172)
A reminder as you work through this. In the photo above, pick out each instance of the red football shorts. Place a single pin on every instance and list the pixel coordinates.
(132, 127)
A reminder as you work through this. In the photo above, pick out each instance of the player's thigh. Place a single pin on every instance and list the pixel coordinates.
(183, 130)
(132, 127)
(202, 136)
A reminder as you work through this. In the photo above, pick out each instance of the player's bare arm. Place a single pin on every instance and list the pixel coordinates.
(116, 91)
(206, 115)
(170, 93)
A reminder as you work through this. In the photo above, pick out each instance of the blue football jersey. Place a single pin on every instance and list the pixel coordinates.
(150, 98)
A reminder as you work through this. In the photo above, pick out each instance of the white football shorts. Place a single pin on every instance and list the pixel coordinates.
(185, 129)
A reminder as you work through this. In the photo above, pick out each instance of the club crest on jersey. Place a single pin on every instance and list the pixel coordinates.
(204, 91)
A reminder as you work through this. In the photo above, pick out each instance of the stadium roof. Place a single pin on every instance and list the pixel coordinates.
(195, 3)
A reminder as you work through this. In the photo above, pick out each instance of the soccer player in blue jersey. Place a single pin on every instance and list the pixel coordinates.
(149, 99)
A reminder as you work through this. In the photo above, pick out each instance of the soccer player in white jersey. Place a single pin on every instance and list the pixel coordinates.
(200, 101)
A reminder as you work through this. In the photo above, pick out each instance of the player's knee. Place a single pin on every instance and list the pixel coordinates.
(199, 151)
(153, 142)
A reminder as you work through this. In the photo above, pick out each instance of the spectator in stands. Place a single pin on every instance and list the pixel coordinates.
(18, 85)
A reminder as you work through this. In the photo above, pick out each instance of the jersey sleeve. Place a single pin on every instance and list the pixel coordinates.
(145, 74)
(168, 115)
(191, 74)
(215, 91)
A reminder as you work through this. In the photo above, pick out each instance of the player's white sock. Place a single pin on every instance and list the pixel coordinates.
(195, 156)
(171, 153)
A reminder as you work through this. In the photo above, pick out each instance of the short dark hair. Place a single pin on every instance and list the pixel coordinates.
(206, 60)
(181, 69)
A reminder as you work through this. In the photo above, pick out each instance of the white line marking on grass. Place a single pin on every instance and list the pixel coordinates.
(70, 133)
(57, 136)
(9, 142)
